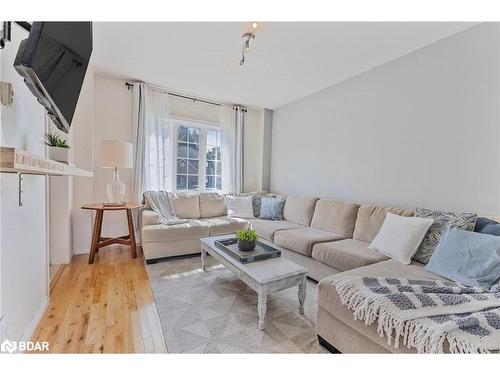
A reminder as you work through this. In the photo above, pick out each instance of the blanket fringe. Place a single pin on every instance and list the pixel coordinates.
(412, 332)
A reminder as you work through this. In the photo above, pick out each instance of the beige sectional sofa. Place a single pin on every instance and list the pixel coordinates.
(329, 237)
(207, 216)
(332, 241)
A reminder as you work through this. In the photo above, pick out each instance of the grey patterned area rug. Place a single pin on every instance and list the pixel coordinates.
(215, 312)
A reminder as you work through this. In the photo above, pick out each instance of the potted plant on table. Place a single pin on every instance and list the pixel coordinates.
(58, 148)
(246, 239)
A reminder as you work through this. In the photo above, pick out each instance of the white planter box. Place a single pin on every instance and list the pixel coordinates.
(59, 154)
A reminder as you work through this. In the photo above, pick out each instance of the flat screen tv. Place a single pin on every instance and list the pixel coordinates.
(53, 61)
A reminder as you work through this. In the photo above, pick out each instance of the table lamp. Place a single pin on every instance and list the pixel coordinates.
(116, 154)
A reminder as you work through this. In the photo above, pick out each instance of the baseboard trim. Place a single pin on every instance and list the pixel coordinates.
(87, 251)
(28, 334)
(325, 344)
(81, 251)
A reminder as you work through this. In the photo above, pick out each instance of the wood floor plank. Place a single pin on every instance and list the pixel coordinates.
(105, 307)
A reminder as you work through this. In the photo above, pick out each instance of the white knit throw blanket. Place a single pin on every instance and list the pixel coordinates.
(424, 313)
(159, 202)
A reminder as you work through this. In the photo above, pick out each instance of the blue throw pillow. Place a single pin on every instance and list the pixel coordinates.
(487, 226)
(271, 208)
(470, 258)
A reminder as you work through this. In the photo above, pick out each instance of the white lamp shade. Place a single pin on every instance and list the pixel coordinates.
(116, 154)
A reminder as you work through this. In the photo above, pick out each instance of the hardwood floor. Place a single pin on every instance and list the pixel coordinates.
(105, 307)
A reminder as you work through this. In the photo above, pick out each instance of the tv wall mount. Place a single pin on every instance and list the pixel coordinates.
(6, 31)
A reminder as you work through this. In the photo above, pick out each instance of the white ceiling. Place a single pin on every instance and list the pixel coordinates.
(288, 60)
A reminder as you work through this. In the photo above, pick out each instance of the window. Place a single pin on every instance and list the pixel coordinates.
(213, 175)
(197, 145)
(188, 158)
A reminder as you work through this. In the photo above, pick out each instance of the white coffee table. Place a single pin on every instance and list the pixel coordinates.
(265, 277)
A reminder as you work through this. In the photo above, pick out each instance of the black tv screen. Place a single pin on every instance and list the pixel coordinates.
(53, 61)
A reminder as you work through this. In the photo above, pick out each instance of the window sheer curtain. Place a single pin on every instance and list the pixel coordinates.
(232, 122)
(153, 153)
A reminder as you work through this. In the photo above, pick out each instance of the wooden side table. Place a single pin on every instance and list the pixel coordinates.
(98, 241)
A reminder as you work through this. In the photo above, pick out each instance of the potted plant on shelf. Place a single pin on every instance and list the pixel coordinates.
(246, 239)
(58, 148)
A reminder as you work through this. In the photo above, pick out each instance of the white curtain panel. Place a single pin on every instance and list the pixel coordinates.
(231, 125)
(239, 114)
(228, 137)
(152, 140)
(138, 120)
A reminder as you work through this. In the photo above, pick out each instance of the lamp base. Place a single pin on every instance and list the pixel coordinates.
(116, 189)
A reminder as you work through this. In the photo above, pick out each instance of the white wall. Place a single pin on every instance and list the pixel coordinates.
(104, 113)
(23, 253)
(253, 149)
(82, 128)
(422, 130)
(112, 121)
(267, 137)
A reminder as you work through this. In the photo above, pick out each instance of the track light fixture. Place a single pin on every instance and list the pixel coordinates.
(246, 42)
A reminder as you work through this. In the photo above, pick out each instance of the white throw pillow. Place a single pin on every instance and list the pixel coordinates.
(241, 207)
(400, 236)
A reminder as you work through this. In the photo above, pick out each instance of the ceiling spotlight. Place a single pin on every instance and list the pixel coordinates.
(246, 42)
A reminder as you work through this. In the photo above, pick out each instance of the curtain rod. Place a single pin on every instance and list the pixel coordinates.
(130, 85)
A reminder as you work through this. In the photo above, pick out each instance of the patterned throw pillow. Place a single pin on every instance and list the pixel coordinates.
(442, 220)
(271, 208)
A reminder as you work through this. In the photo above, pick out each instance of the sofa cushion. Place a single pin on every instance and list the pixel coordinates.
(299, 210)
(225, 225)
(149, 217)
(161, 232)
(346, 254)
(267, 228)
(335, 216)
(186, 205)
(370, 219)
(302, 240)
(212, 205)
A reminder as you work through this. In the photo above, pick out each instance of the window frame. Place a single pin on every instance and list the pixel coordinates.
(175, 123)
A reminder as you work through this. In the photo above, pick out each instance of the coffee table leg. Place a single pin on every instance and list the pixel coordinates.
(261, 308)
(302, 295)
(203, 259)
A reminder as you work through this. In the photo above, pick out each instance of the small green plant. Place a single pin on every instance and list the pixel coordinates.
(53, 140)
(246, 234)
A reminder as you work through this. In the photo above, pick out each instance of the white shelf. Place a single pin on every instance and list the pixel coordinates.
(13, 160)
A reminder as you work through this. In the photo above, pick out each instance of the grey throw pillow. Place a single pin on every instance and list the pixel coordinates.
(487, 226)
(271, 208)
(442, 220)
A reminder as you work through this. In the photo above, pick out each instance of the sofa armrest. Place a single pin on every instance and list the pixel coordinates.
(149, 217)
